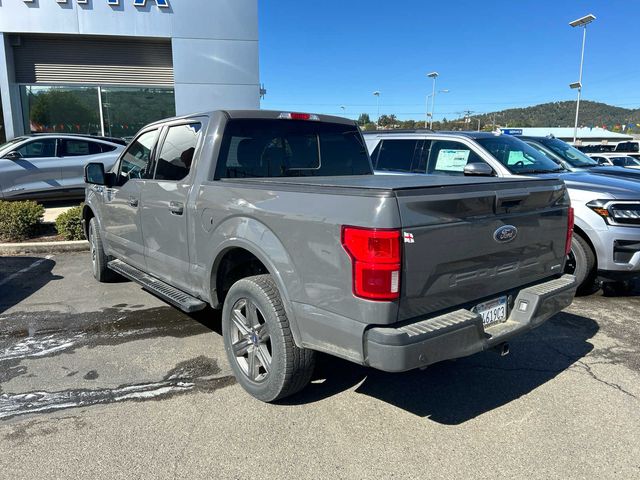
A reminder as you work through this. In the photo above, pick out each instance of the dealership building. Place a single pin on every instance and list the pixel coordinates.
(110, 66)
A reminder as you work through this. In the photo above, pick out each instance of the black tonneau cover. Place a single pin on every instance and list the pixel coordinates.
(393, 183)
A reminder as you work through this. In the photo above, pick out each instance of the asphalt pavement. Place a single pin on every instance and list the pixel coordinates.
(107, 381)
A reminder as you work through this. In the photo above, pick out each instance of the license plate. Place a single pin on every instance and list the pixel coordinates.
(493, 311)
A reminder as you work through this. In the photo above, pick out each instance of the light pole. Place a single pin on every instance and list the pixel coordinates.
(580, 22)
(377, 95)
(495, 114)
(428, 115)
(434, 76)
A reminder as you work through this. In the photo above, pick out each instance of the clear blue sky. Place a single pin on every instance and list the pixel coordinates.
(491, 55)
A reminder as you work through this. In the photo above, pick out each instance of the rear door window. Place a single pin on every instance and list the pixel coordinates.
(176, 155)
(76, 148)
(291, 148)
(396, 155)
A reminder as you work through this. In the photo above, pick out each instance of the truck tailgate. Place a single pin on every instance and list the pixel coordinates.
(452, 255)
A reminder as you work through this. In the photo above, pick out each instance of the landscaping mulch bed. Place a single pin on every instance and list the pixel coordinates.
(46, 232)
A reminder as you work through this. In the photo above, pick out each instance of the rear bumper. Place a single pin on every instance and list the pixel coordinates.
(461, 333)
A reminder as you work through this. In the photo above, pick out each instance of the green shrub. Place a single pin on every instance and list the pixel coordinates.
(69, 224)
(19, 220)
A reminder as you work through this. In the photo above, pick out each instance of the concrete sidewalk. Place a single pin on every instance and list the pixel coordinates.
(50, 214)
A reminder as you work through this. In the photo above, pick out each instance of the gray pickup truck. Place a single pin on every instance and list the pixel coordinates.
(278, 219)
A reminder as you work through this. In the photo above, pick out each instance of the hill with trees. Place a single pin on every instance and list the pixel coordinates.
(555, 114)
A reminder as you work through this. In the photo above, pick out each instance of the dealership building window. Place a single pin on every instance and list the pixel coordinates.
(95, 110)
(103, 67)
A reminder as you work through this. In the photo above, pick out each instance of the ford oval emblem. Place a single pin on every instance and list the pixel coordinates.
(505, 234)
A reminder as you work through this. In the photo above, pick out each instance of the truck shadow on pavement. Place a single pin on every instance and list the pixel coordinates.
(454, 392)
(21, 277)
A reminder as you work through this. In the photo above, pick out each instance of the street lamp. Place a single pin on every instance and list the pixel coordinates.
(377, 95)
(428, 115)
(432, 75)
(580, 22)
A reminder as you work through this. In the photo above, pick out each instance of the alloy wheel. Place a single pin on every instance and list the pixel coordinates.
(250, 340)
(92, 248)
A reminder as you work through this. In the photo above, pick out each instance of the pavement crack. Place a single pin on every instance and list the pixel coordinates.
(587, 368)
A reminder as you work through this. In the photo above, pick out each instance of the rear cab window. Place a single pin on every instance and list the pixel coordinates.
(289, 148)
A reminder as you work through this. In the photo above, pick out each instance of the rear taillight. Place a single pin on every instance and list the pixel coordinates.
(375, 258)
(570, 222)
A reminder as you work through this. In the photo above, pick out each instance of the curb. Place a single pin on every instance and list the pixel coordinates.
(43, 247)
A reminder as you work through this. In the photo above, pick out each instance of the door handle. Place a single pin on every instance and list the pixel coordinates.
(133, 201)
(176, 208)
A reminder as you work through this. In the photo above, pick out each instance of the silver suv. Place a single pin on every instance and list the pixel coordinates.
(51, 165)
(606, 242)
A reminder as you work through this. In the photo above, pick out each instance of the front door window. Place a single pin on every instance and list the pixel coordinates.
(135, 161)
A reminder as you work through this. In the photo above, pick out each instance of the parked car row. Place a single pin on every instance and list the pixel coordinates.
(629, 148)
(606, 200)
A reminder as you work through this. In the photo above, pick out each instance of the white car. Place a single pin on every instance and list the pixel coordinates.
(616, 160)
(48, 166)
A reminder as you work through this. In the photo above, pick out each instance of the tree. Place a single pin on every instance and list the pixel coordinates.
(388, 121)
(58, 107)
(363, 119)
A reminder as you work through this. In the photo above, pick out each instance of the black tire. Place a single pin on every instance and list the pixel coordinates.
(581, 262)
(619, 288)
(99, 259)
(248, 335)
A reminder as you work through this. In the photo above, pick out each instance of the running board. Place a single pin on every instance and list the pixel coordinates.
(183, 301)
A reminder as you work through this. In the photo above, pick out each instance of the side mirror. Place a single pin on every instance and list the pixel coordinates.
(479, 169)
(94, 174)
(15, 155)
